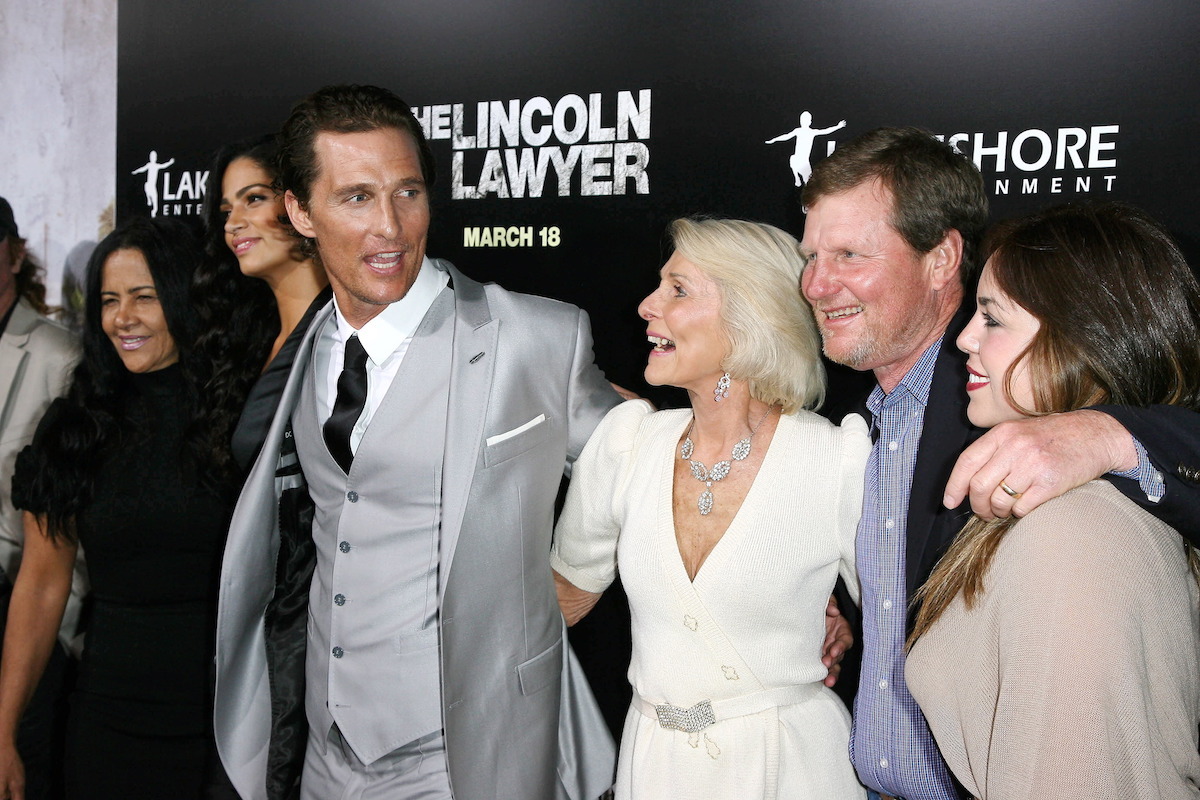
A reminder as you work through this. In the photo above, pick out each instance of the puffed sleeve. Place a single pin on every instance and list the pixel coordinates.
(585, 539)
(856, 446)
(28, 489)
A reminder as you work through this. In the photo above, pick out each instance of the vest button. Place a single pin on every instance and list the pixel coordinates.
(352, 496)
(339, 599)
(344, 547)
(338, 652)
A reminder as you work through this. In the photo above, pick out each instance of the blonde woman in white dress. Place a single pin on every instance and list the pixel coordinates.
(729, 523)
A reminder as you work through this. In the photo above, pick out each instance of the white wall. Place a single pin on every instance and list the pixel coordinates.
(58, 122)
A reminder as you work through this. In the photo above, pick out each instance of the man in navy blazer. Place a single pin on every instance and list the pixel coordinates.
(891, 242)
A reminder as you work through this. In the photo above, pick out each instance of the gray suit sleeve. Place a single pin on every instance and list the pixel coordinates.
(589, 394)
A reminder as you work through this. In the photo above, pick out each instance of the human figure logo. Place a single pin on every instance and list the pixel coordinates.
(801, 160)
(172, 193)
(152, 168)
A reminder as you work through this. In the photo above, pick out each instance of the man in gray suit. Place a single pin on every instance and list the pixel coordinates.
(387, 573)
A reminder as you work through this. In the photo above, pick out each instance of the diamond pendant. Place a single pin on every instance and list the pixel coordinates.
(705, 503)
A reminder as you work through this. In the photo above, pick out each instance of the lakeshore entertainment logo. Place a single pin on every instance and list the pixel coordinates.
(503, 149)
(170, 193)
(1067, 160)
(805, 135)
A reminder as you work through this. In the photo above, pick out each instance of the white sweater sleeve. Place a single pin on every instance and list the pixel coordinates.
(585, 539)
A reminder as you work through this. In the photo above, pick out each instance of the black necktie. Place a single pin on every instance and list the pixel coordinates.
(351, 400)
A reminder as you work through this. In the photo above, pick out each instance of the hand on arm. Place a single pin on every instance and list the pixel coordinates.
(1038, 458)
(838, 640)
(35, 611)
(574, 602)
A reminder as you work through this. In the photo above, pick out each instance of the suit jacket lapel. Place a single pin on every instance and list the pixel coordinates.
(946, 433)
(472, 371)
(13, 354)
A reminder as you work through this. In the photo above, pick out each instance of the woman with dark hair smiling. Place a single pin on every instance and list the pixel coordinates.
(257, 294)
(127, 466)
(1058, 655)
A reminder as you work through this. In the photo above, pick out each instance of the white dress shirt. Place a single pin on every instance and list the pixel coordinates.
(385, 338)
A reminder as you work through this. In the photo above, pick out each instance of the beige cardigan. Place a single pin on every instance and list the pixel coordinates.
(1077, 674)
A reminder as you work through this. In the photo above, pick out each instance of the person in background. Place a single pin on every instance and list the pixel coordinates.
(1058, 654)
(125, 466)
(729, 522)
(257, 293)
(36, 356)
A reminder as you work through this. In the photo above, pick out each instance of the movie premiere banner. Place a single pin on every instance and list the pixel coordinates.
(568, 134)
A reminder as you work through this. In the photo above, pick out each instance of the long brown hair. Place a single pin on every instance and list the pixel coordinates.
(1119, 314)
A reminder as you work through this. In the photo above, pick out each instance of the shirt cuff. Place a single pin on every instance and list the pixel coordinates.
(1148, 478)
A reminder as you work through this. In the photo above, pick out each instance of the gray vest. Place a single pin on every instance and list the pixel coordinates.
(373, 662)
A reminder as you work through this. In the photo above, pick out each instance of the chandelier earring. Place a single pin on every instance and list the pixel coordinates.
(722, 390)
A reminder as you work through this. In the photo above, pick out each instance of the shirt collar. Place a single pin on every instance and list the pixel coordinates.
(915, 383)
(387, 330)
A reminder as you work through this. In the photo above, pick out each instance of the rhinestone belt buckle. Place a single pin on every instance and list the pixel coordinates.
(688, 720)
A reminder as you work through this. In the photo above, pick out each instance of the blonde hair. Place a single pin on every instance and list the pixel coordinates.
(773, 339)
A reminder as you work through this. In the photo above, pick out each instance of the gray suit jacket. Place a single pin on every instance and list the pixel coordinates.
(36, 358)
(516, 358)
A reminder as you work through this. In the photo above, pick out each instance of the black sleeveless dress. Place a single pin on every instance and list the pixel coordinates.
(141, 715)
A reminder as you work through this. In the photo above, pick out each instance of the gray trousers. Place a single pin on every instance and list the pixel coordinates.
(416, 771)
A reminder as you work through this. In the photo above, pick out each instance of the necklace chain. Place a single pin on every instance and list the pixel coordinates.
(740, 452)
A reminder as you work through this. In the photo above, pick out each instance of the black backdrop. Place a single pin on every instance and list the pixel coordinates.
(722, 78)
(1099, 94)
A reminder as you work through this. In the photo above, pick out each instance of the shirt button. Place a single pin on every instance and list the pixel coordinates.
(891, 523)
(344, 547)
(338, 652)
(339, 599)
(883, 763)
(893, 445)
(352, 497)
(883, 684)
(887, 605)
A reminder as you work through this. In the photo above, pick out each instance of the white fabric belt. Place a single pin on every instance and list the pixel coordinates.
(709, 712)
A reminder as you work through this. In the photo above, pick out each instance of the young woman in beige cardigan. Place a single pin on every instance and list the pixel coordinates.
(1058, 655)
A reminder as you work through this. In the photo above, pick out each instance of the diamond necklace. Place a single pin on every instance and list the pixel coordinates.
(741, 451)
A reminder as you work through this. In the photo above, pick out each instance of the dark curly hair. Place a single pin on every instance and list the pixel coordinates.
(239, 319)
(30, 286)
(93, 412)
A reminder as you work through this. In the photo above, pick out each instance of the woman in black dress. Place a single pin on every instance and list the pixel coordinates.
(258, 282)
(127, 466)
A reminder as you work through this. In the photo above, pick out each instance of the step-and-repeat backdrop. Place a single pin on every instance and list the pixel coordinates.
(568, 134)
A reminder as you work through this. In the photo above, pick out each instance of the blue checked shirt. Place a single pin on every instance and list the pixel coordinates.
(890, 744)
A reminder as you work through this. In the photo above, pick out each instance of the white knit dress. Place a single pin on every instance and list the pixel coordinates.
(746, 636)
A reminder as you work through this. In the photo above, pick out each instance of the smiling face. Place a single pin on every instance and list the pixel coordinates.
(685, 327)
(878, 303)
(251, 209)
(369, 212)
(994, 339)
(131, 315)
